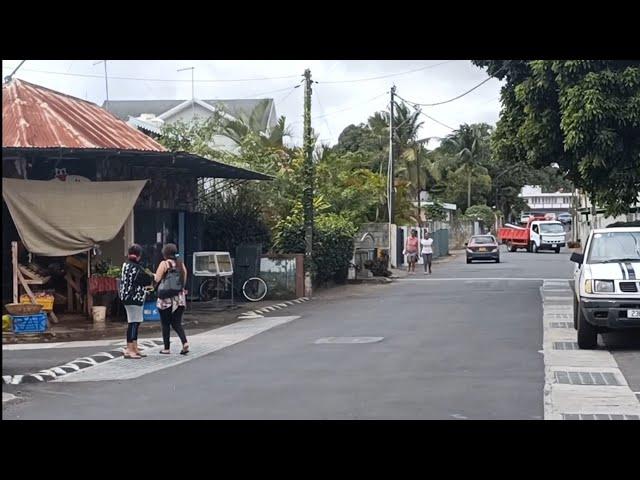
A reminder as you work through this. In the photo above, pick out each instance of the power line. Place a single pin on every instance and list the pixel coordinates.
(436, 120)
(253, 95)
(352, 106)
(387, 76)
(454, 98)
(169, 80)
(322, 111)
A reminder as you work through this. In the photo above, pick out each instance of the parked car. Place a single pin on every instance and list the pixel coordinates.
(565, 218)
(606, 284)
(483, 247)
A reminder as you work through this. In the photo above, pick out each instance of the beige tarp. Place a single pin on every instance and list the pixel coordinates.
(56, 219)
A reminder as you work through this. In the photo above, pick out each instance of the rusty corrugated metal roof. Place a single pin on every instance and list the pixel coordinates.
(37, 117)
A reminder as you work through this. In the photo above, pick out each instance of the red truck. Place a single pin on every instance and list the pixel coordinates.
(537, 235)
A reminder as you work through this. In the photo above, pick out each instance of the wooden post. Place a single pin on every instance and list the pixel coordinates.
(14, 262)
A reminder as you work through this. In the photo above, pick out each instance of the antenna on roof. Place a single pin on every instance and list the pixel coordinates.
(106, 82)
(8, 78)
(193, 97)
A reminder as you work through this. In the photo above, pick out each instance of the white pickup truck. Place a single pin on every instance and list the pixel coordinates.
(607, 284)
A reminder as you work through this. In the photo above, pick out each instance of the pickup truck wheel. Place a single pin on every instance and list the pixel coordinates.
(534, 247)
(557, 249)
(587, 333)
(576, 310)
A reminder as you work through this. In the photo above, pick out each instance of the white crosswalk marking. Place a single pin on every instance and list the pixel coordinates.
(200, 345)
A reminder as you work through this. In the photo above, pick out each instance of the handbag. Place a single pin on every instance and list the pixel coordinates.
(171, 284)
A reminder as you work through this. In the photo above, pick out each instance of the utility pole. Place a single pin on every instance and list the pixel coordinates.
(308, 186)
(390, 175)
(391, 196)
(106, 82)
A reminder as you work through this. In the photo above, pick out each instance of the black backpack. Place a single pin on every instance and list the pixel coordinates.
(171, 284)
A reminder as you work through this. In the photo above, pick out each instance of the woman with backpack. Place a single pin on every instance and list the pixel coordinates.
(171, 277)
(132, 292)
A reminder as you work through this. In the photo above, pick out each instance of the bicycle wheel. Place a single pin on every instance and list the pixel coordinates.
(208, 289)
(254, 289)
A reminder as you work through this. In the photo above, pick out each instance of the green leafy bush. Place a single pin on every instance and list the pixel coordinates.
(332, 242)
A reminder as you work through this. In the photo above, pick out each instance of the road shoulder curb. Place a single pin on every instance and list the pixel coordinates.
(73, 366)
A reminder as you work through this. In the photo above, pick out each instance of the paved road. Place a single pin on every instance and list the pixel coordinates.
(461, 344)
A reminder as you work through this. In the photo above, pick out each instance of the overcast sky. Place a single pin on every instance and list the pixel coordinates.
(354, 97)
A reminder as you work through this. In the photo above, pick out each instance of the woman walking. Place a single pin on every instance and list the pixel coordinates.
(172, 277)
(132, 293)
(411, 249)
(427, 252)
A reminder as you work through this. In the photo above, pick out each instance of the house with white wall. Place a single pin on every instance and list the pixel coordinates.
(149, 116)
(556, 202)
(588, 218)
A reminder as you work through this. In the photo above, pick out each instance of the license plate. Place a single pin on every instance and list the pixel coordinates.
(482, 249)
(633, 313)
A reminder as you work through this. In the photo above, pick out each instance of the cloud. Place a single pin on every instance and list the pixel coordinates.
(334, 106)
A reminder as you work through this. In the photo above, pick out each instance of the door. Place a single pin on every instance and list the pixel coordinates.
(535, 234)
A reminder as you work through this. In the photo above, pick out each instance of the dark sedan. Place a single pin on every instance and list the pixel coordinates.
(483, 247)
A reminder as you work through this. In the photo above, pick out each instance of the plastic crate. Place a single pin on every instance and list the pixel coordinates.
(150, 312)
(30, 323)
(45, 300)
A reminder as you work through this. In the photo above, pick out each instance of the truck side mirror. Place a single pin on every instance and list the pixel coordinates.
(466, 244)
(577, 257)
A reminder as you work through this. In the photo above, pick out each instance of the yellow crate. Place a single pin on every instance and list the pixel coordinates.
(46, 301)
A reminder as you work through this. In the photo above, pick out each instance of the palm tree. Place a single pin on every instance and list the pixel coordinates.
(243, 125)
(470, 145)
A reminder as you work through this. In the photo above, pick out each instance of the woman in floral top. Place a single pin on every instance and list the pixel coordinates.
(172, 308)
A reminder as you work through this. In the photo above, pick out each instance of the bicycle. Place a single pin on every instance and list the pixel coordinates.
(212, 288)
(254, 289)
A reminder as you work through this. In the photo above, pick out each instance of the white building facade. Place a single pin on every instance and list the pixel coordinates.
(557, 202)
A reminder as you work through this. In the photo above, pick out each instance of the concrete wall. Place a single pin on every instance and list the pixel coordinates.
(378, 236)
(460, 232)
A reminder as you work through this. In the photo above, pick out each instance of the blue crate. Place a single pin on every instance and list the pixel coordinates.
(30, 323)
(150, 312)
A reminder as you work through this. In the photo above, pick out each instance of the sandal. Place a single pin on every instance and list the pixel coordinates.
(135, 357)
(142, 354)
(184, 350)
(165, 352)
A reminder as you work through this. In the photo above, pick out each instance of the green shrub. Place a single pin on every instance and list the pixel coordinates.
(332, 244)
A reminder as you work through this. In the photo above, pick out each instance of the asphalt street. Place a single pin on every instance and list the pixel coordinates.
(463, 343)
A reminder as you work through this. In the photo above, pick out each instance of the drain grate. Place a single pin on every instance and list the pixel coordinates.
(565, 345)
(349, 340)
(561, 324)
(586, 378)
(598, 416)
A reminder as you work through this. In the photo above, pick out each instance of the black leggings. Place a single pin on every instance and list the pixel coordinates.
(172, 319)
(132, 332)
